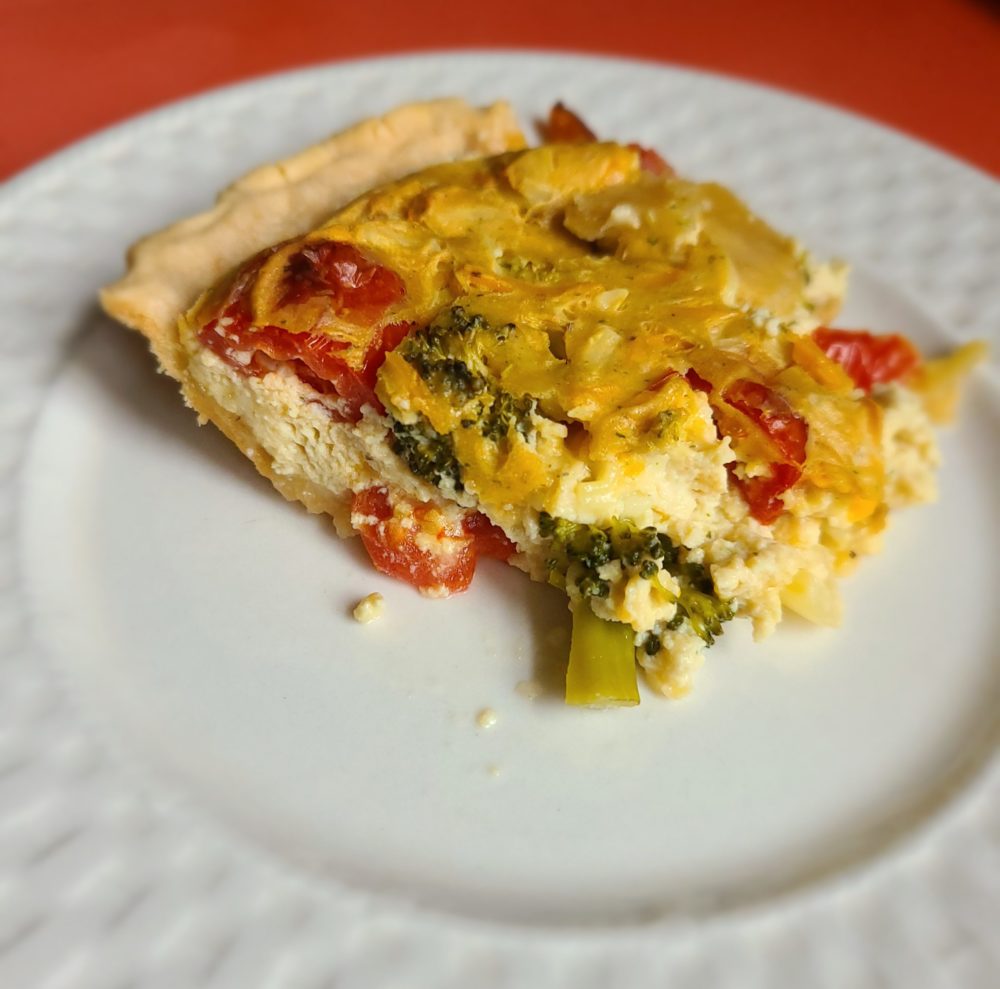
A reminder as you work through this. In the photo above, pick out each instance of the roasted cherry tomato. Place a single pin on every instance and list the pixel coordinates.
(314, 357)
(353, 286)
(869, 359)
(566, 127)
(652, 161)
(410, 541)
(488, 539)
(697, 382)
(785, 432)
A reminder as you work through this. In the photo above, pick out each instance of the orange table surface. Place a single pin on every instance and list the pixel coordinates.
(930, 68)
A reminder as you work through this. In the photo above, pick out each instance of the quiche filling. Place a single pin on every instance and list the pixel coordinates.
(570, 358)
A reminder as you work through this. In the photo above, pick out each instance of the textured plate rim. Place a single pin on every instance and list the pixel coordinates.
(22, 183)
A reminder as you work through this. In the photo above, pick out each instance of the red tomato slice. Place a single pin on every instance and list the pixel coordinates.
(254, 350)
(565, 127)
(401, 544)
(696, 381)
(773, 415)
(762, 494)
(355, 285)
(357, 288)
(387, 338)
(869, 359)
(787, 432)
(487, 538)
(652, 161)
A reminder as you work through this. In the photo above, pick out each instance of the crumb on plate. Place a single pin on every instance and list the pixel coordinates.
(369, 609)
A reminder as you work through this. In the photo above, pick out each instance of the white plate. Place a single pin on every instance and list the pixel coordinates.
(209, 775)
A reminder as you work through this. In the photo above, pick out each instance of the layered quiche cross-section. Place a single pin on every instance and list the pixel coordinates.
(567, 357)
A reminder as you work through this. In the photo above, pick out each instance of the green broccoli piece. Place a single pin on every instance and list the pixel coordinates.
(529, 270)
(601, 669)
(700, 604)
(580, 550)
(449, 355)
(427, 453)
(448, 352)
(585, 548)
(506, 413)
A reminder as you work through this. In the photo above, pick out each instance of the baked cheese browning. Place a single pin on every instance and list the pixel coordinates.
(571, 358)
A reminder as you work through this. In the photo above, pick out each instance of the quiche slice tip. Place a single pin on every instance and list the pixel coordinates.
(169, 269)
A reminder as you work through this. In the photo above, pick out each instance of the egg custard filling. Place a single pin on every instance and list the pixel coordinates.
(570, 358)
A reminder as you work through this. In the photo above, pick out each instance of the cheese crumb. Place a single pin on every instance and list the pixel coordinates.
(486, 718)
(368, 609)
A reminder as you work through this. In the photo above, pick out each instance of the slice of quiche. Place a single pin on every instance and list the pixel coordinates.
(567, 357)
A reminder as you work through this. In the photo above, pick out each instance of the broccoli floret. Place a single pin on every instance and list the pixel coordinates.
(593, 587)
(581, 550)
(699, 603)
(705, 613)
(554, 527)
(449, 355)
(587, 546)
(528, 270)
(427, 453)
(648, 569)
(506, 413)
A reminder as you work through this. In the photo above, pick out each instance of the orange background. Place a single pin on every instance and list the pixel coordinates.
(928, 67)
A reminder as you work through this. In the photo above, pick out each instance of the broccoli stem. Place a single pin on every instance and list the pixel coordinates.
(601, 670)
